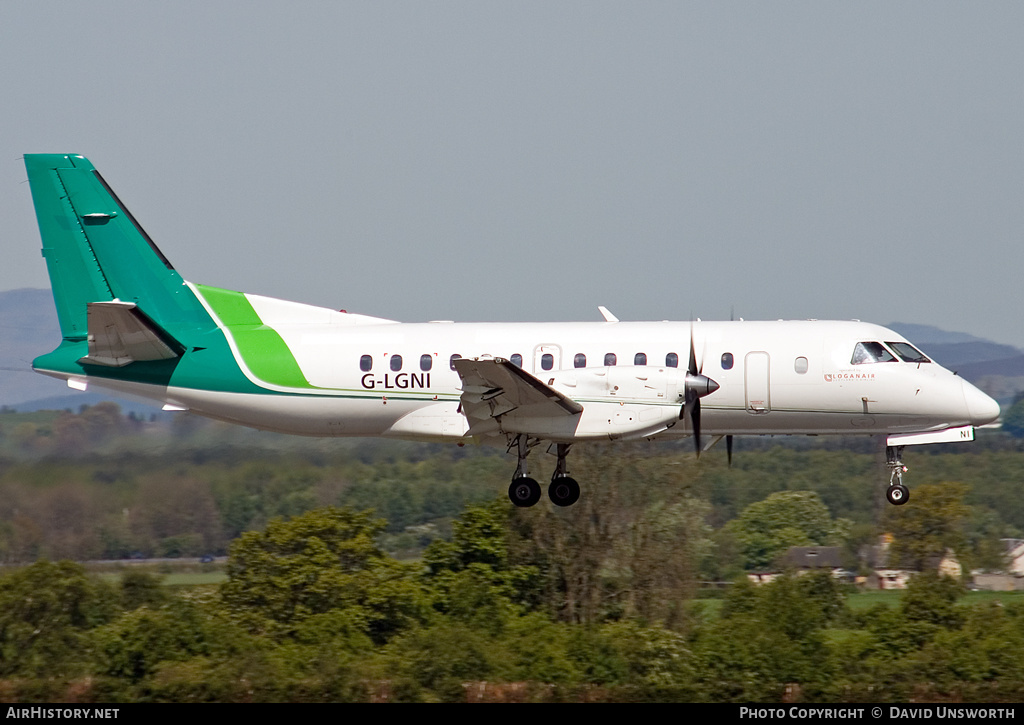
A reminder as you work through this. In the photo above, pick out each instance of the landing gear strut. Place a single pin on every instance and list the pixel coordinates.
(525, 491)
(897, 492)
(563, 491)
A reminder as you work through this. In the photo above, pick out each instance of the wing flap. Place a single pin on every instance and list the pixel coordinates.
(493, 388)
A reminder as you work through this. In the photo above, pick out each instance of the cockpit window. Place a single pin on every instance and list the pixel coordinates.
(907, 352)
(871, 352)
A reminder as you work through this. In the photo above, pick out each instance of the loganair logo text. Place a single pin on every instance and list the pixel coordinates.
(847, 375)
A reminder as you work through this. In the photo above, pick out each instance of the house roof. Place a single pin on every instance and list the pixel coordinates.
(813, 557)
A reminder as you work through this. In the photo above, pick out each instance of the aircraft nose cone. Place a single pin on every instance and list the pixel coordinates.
(982, 408)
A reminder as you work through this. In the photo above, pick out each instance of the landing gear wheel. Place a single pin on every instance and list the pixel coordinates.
(563, 491)
(897, 494)
(524, 492)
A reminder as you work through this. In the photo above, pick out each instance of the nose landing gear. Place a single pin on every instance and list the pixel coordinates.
(897, 493)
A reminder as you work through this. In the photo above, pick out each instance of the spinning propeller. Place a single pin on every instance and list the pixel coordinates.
(696, 387)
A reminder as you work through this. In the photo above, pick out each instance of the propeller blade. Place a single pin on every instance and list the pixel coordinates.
(692, 366)
(695, 422)
(691, 373)
(696, 386)
(728, 449)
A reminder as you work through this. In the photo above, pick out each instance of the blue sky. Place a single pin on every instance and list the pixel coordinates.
(533, 160)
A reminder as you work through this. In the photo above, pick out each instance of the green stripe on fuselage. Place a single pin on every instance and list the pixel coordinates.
(262, 349)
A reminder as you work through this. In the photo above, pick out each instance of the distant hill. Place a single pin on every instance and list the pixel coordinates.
(1007, 367)
(970, 356)
(959, 356)
(28, 328)
(926, 334)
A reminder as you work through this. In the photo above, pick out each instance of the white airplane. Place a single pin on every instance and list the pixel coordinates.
(132, 324)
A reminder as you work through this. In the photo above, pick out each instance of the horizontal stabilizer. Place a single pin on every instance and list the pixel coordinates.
(120, 334)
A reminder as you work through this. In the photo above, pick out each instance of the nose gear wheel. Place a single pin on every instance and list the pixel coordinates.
(897, 494)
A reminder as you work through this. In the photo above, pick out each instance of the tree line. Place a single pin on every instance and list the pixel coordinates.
(188, 488)
(313, 610)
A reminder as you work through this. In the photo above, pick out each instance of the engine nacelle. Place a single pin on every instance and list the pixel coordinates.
(621, 384)
(623, 402)
(619, 402)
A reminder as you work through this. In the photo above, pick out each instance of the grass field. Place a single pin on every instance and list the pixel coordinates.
(189, 574)
(891, 597)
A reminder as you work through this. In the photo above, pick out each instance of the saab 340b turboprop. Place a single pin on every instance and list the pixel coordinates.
(130, 323)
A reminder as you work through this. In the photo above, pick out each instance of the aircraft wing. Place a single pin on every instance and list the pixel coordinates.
(492, 388)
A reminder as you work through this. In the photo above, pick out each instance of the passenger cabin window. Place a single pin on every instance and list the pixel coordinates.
(580, 360)
(800, 365)
(396, 362)
(907, 352)
(727, 361)
(517, 360)
(640, 358)
(866, 353)
(426, 362)
(671, 360)
(547, 361)
(609, 358)
(366, 363)
(451, 362)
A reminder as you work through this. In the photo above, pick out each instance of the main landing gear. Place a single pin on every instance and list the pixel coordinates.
(897, 492)
(525, 491)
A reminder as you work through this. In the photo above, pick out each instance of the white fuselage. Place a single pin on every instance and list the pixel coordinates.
(783, 377)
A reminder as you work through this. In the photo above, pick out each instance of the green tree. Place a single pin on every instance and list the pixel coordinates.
(931, 597)
(472, 577)
(767, 636)
(135, 644)
(987, 647)
(766, 529)
(630, 546)
(47, 611)
(320, 561)
(927, 606)
(141, 588)
(103, 421)
(1013, 419)
(928, 525)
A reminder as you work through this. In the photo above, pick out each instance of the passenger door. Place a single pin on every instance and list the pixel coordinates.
(756, 383)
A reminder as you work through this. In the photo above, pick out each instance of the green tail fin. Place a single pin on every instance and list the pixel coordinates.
(96, 251)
